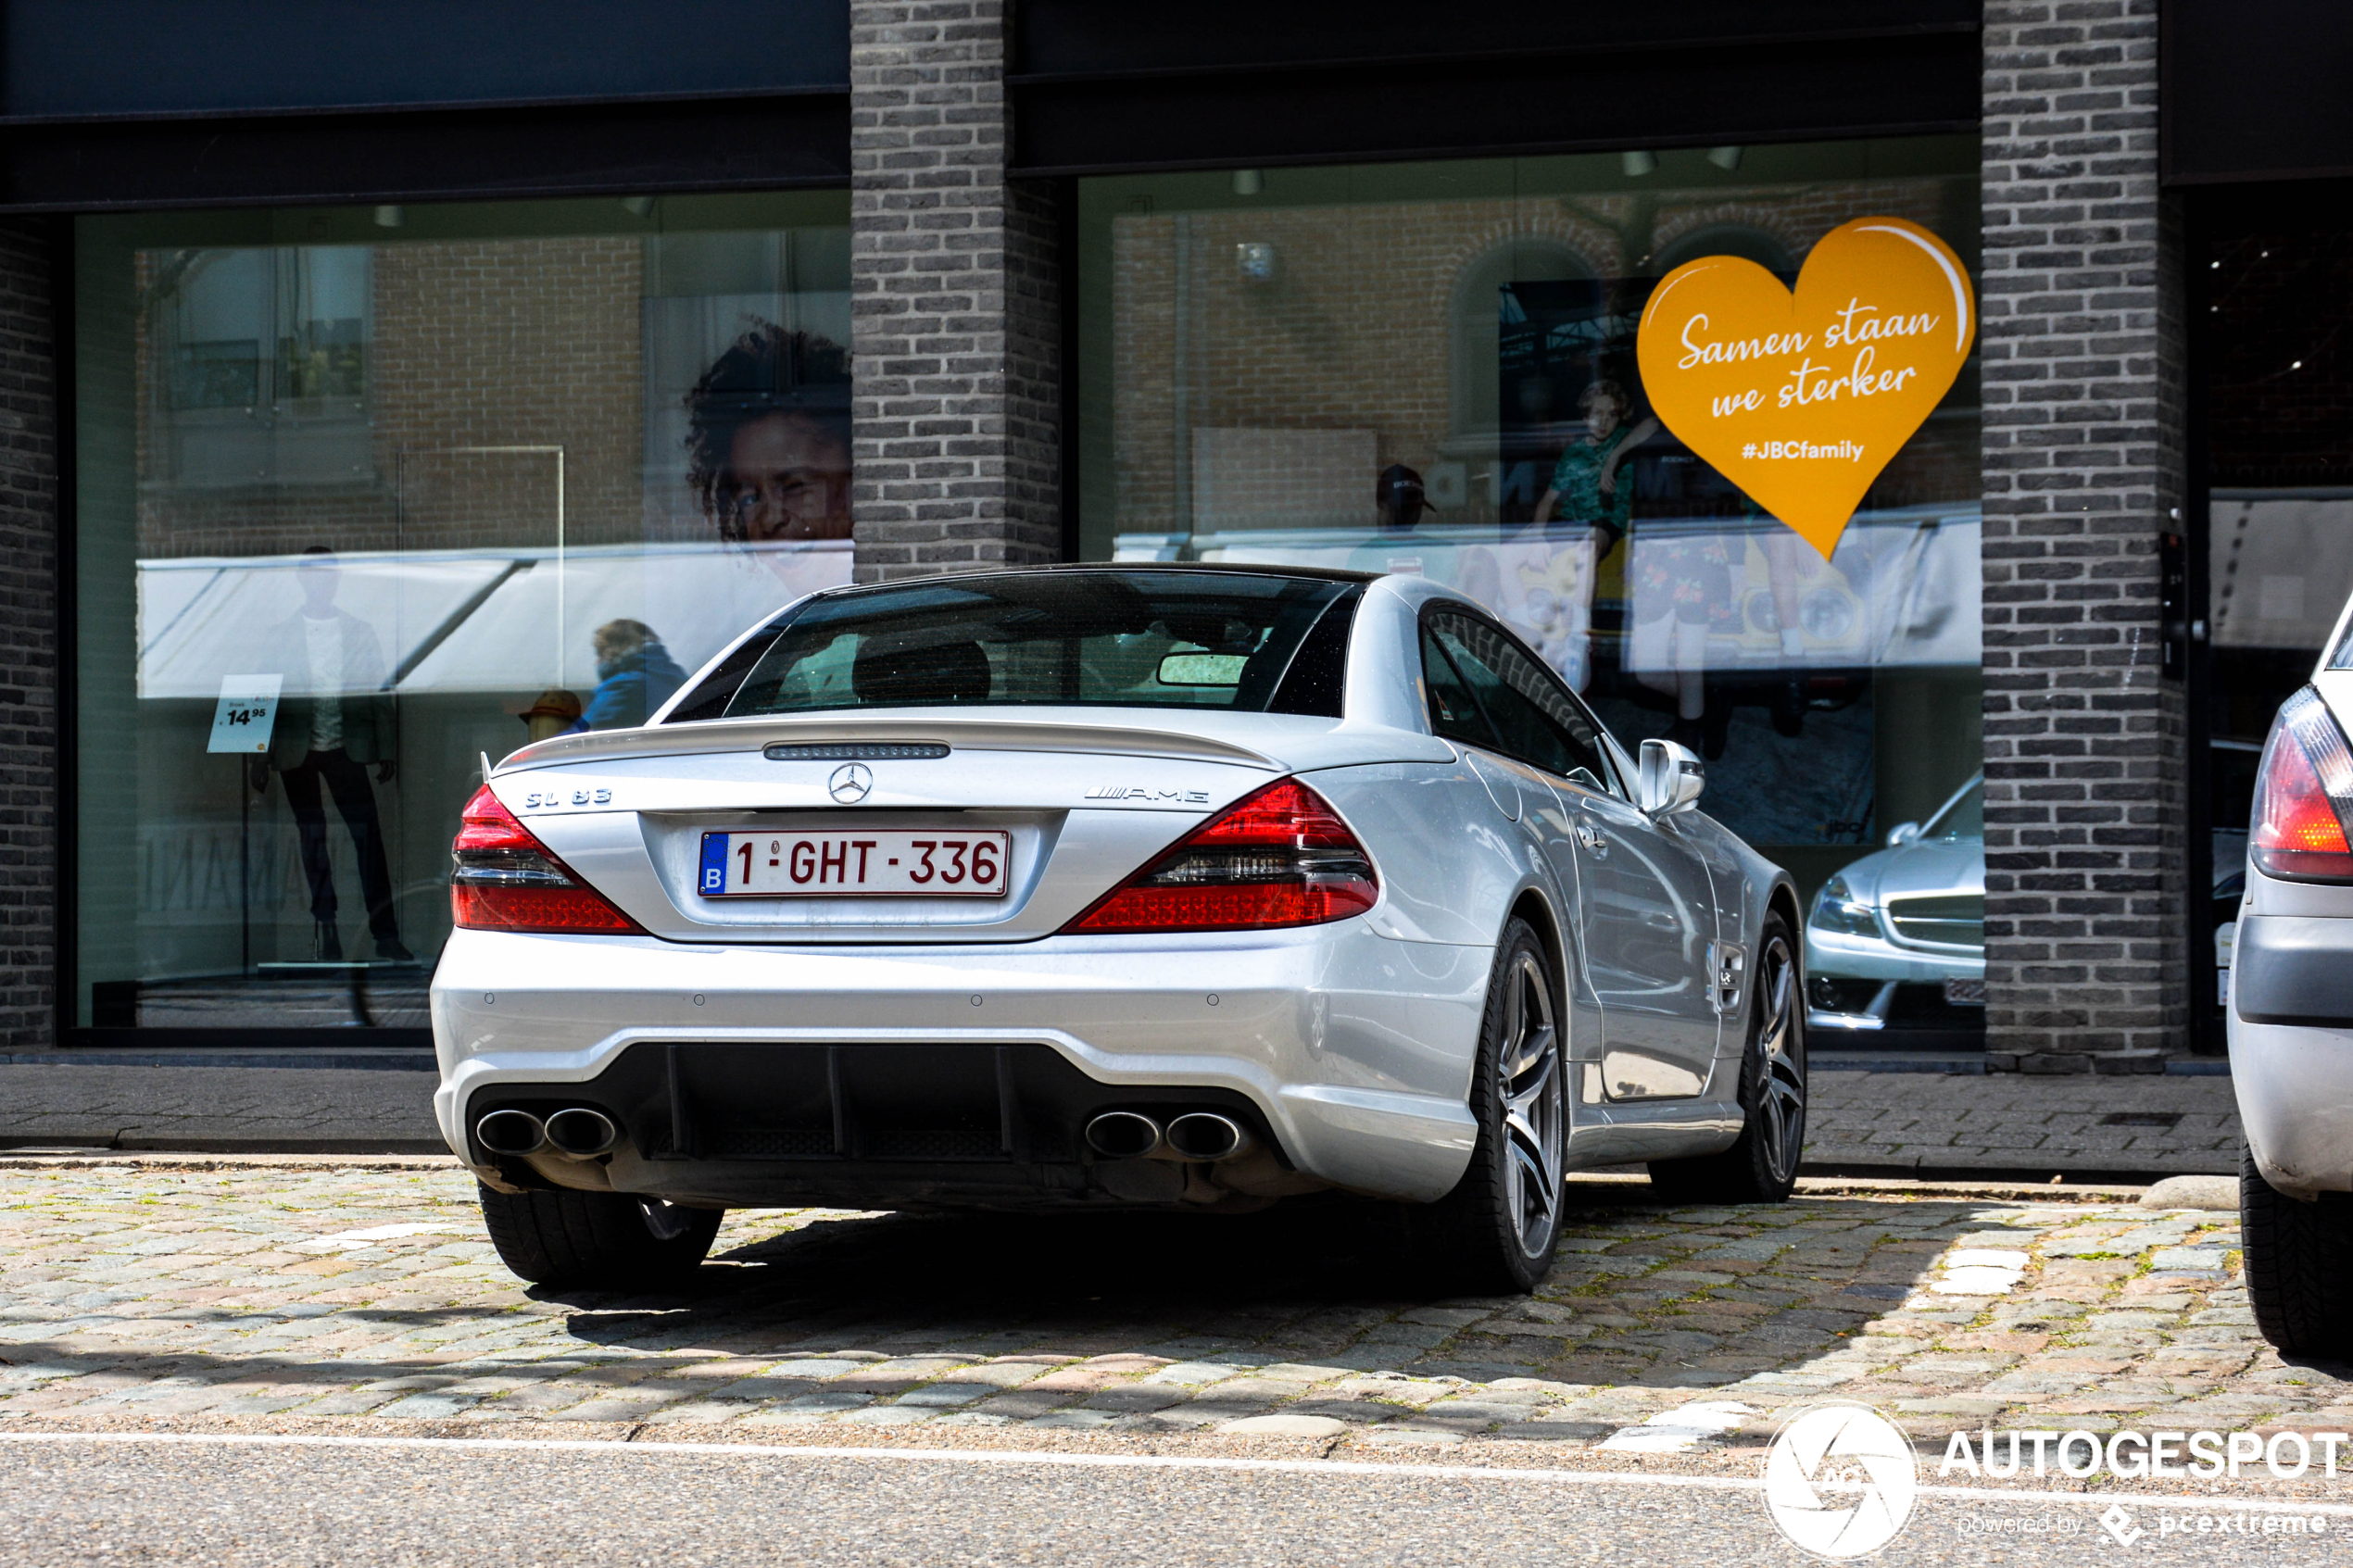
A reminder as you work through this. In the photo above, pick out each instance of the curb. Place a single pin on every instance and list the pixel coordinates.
(364, 1059)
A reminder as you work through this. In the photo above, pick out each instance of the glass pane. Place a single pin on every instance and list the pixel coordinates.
(1131, 640)
(1431, 368)
(1533, 722)
(365, 496)
(1453, 712)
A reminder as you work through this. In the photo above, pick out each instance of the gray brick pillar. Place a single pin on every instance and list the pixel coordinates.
(2086, 910)
(28, 650)
(956, 299)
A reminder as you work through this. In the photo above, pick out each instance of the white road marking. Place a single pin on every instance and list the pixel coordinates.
(354, 1241)
(1335, 1467)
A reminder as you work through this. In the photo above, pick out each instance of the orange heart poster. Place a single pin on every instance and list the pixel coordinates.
(1802, 396)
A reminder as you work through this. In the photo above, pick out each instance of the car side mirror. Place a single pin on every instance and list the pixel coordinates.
(1902, 834)
(1667, 779)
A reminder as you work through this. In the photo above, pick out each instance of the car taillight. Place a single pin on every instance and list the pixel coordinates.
(506, 880)
(1277, 857)
(2303, 796)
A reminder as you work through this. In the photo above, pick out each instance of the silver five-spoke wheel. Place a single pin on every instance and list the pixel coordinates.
(1532, 1106)
(1781, 1089)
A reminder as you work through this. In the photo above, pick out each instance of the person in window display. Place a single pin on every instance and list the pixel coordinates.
(335, 723)
(768, 438)
(1585, 488)
(635, 676)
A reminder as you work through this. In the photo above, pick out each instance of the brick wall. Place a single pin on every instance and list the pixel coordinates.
(476, 343)
(2084, 750)
(956, 300)
(29, 634)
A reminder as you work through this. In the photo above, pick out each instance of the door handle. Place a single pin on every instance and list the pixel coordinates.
(1590, 837)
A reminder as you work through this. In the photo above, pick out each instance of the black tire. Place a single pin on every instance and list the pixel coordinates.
(1761, 1166)
(605, 1239)
(1494, 1234)
(2300, 1267)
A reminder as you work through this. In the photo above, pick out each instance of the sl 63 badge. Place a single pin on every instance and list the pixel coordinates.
(555, 800)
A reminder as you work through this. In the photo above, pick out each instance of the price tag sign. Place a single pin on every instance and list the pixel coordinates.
(247, 710)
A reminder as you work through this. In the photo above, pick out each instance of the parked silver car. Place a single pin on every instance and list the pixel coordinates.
(1170, 886)
(2290, 1018)
(1911, 915)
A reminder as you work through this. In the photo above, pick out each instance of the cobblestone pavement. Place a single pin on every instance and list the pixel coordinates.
(1953, 1124)
(1887, 1123)
(133, 1293)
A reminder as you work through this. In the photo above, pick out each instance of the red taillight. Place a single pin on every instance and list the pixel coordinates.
(1279, 856)
(2298, 831)
(506, 880)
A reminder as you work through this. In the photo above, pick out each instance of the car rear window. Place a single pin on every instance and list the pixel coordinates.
(1235, 641)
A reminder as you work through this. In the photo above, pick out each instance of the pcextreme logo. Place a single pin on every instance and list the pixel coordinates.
(1840, 1480)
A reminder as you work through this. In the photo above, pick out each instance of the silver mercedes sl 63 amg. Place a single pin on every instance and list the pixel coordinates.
(1186, 886)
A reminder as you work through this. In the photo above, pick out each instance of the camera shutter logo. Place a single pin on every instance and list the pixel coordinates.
(850, 781)
(1840, 1480)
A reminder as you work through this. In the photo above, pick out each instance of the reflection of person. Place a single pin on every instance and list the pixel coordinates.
(338, 721)
(768, 434)
(1400, 497)
(1584, 487)
(635, 676)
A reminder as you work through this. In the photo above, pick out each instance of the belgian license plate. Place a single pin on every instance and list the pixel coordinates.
(872, 863)
(1965, 992)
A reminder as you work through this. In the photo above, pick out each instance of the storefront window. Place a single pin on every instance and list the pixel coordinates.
(2277, 389)
(365, 496)
(1431, 368)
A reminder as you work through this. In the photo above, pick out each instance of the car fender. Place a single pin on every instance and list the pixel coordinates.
(1747, 887)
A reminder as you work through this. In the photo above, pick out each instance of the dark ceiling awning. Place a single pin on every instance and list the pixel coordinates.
(1220, 83)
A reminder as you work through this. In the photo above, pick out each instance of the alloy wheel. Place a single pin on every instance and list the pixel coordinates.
(1533, 1107)
(1781, 1104)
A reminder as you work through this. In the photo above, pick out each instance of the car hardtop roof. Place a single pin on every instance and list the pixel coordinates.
(1237, 569)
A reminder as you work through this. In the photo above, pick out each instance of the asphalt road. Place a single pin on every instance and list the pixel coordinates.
(427, 1502)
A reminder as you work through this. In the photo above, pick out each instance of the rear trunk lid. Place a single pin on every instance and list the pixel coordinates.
(1085, 798)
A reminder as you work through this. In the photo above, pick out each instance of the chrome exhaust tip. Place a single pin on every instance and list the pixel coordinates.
(511, 1131)
(578, 1132)
(1203, 1135)
(1122, 1135)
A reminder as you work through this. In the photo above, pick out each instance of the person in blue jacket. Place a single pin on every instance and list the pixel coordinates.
(635, 676)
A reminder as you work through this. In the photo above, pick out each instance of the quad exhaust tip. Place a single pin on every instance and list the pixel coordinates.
(1203, 1135)
(512, 1131)
(575, 1133)
(1197, 1134)
(582, 1133)
(1122, 1135)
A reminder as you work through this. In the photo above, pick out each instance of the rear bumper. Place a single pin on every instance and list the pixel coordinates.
(1347, 1053)
(2293, 969)
(2291, 1028)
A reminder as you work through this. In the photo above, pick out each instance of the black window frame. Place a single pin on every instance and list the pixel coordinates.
(1612, 782)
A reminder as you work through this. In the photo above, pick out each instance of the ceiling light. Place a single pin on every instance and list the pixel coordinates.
(1248, 182)
(637, 207)
(390, 217)
(1725, 158)
(1637, 164)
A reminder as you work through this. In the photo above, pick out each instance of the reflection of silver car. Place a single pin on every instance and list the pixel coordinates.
(1169, 887)
(1912, 914)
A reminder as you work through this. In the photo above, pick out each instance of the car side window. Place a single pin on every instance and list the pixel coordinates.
(1534, 718)
(1454, 714)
